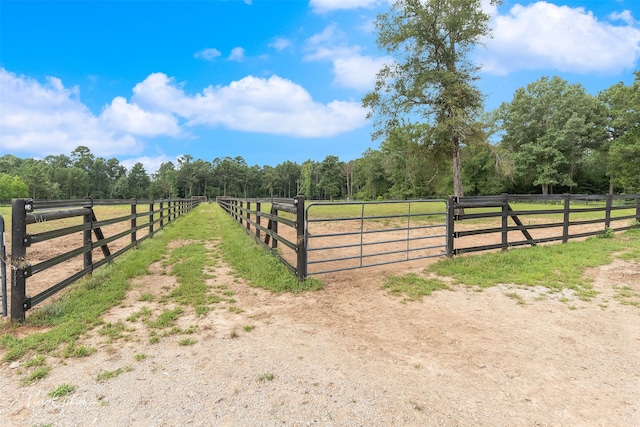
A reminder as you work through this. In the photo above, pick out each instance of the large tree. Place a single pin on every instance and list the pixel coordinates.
(622, 105)
(432, 77)
(550, 127)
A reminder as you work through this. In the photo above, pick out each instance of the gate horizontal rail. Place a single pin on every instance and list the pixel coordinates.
(373, 233)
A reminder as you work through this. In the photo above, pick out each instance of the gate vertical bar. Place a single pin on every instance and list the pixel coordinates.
(408, 230)
(18, 261)
(3, 268)
(300, 237)
(361, 233)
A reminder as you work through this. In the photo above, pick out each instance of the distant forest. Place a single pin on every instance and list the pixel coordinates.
(552, 137)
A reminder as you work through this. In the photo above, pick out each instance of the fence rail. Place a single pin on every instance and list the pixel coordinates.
(26, 213)
(555, 221)
(250, 213)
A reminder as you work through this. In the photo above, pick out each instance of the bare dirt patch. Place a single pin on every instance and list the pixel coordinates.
(350, 354)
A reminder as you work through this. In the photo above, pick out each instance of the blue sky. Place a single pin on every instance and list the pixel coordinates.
(268, 80)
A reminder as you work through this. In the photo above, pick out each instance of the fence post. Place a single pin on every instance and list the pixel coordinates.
(241, 218)
(86, 234)
(274, 227)
(151, 218)
(161, 214)
(505, 222)
(258, 204)
(565, 220)
(18, 261)
(638, 207)
(607, 214)
(450, 226)
(3, 268)
(248, 215)
(133, 220)
(301, 247)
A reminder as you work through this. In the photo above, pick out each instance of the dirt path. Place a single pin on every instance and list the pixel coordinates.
(350, 354)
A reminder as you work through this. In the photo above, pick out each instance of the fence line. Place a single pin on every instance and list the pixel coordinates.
(27, 212)
(481, 208)
(241, 211)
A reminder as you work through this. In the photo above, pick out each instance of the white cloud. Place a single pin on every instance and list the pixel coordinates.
(324, 6)
(624, 16)
(237, 54)
(280, 43)
(208, 54)
(49, 119)
(130, 118)
(358, 72)
(351, 69)
(274, 106)
(545, 36)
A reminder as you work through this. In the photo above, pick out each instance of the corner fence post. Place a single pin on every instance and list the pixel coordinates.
(18, 259)
(450, 226)
(300, 246)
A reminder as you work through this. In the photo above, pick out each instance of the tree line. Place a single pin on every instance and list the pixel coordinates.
(552, 136)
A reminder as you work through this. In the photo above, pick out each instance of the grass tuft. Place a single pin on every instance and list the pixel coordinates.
(412, 286)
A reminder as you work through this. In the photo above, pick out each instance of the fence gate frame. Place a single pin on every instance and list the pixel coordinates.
(442, 238)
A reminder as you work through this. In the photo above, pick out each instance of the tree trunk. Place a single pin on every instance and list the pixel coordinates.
(457, 171)
(611, 186)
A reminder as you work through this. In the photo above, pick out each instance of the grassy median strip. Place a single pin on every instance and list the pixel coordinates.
(56, 327)
(254, 263)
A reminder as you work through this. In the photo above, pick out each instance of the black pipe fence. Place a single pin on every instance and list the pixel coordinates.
(252, 213)
(541, 219)
(145, 216)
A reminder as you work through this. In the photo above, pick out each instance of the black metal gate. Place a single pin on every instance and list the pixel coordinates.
(348, 235)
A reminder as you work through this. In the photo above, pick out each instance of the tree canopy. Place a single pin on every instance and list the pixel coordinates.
(432, 76)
